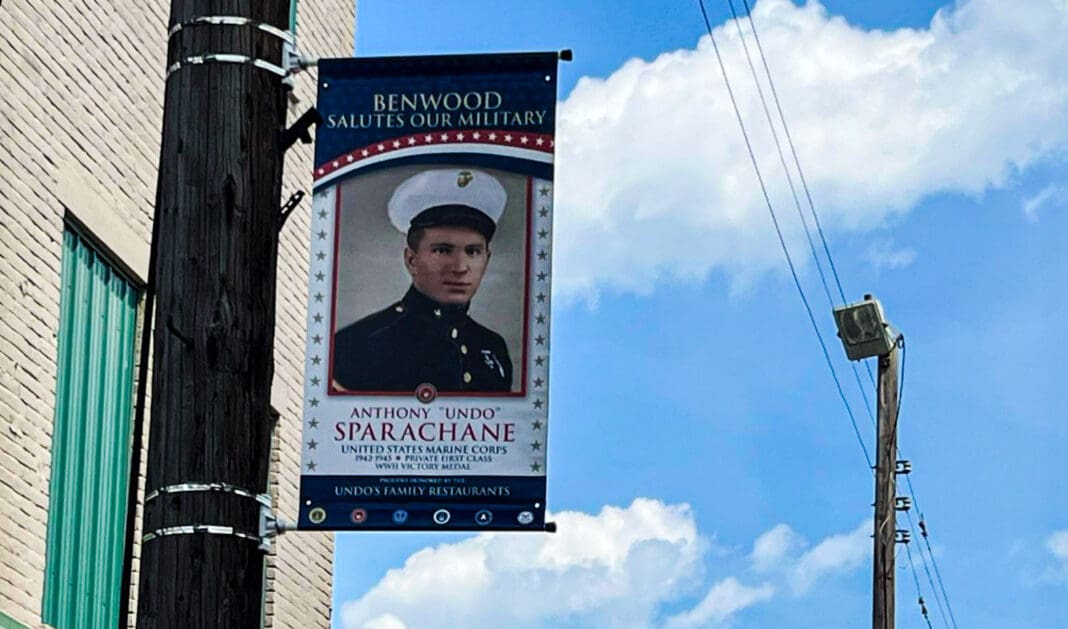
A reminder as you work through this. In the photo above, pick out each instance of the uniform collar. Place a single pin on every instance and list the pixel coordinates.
(419, 303)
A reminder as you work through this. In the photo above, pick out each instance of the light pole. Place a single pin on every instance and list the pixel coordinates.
(865, 333)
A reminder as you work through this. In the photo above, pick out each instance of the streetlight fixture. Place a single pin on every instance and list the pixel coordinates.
(863, 328)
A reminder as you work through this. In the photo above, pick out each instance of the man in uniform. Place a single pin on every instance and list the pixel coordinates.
(449, 217)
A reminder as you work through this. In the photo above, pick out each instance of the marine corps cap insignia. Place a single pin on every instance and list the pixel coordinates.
(463, 197)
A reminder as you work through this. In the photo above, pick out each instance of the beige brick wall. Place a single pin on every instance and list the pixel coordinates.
(81, 84)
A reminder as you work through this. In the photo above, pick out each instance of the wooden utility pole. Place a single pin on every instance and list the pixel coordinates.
(885, 493)
(217, 214)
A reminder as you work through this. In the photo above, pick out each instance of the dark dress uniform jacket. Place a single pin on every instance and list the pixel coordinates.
(417, 341)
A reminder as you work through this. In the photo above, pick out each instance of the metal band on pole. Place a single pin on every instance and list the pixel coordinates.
(199, 529)
(231, 20)
(270, 525)
(225, 488)
(227, 58)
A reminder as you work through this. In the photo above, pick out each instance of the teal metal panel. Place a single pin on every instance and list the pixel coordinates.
(90, 441)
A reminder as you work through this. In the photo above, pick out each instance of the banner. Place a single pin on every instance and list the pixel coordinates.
(427, 373)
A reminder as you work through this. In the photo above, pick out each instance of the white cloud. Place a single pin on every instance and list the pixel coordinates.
(385, 621)
(725, 599)
(618, 568)
(884, 255)
(612, 569)
(774, 547)
(1057, 545)
(654, 182)
(1050, 195)
(837, 554)
(782, 551)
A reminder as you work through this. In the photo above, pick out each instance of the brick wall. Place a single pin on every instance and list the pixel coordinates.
(81, 84)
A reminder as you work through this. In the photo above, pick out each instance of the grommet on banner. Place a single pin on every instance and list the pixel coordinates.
(566, 54)
(550, 527)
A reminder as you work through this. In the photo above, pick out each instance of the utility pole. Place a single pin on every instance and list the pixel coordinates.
(217, 220)
(865, 333)
(886, 493)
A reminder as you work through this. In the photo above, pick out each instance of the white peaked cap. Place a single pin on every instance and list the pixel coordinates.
(452, 193)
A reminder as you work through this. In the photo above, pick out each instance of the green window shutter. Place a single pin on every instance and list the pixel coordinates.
(90, 441)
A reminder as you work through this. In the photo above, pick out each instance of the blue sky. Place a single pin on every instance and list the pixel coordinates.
(703, 468)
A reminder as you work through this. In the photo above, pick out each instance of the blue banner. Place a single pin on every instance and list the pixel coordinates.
(426, 381)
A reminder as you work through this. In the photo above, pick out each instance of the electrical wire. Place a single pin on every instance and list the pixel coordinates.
(929, 580)
(900, 342)
(797, 164)
(793, 189)
(782, 240)
(793, 150)
(938, 573)
(919, 512)
(826, 248)
(919, 594)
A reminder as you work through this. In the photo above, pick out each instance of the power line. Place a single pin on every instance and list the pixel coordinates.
(916, 503)
(793, 189)
(793, 150)
(919, 594)
(782, 240)
(778, 148)
(929, 579)
(797, 164)
(938, 573)
(823, 240)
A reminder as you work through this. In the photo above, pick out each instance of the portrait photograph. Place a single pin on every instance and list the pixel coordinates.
(430, 282)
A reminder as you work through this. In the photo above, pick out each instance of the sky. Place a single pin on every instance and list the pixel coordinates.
(703, 471)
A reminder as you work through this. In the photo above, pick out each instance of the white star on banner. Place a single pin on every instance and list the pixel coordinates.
(507, 138)
(524, 139)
